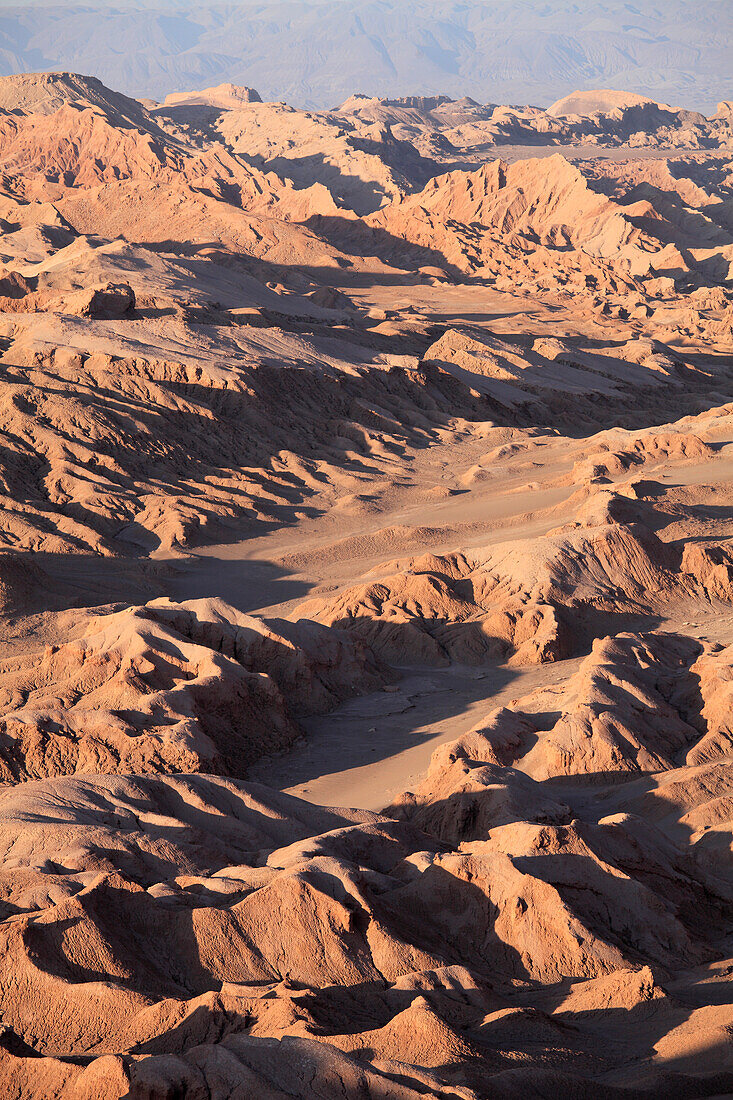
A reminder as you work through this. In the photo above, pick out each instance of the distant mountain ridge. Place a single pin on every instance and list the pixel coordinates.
(317, 52)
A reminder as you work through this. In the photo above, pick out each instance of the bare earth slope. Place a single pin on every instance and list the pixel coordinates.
(376, 458)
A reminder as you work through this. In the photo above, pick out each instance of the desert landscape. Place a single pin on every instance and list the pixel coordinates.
(366, 596)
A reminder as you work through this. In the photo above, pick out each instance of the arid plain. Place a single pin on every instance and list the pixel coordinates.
(366, 597)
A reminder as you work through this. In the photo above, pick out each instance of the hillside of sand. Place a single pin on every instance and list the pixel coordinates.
(366, 596)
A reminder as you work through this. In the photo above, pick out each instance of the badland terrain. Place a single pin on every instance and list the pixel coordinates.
(366, 596)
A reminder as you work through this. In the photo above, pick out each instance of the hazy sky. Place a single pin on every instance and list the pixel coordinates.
(317, 52)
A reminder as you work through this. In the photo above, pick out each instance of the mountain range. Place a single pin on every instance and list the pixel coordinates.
(316, 52)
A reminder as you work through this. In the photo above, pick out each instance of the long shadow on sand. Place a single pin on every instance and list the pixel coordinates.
(373, 728)
(58, 582)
